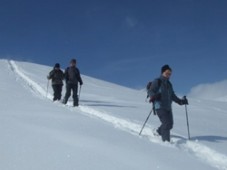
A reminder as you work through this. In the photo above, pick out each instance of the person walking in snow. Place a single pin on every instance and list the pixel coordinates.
(162, 95)
(72, 78)
(57, 76)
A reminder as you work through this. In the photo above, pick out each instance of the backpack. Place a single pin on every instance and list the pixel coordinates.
(149, 86)
(149, 92)
(72, 75)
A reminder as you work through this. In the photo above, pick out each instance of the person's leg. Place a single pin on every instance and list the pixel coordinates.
(67, 94)
(166, 119)
(59, 90)
(75, 96)
(55, 92)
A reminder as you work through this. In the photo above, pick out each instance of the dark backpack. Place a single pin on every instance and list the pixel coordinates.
(149, 87)
(149, 92)
(71, 74)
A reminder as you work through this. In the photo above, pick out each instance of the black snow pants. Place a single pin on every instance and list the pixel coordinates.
(166, 118)
(57, 88)
(74, 88)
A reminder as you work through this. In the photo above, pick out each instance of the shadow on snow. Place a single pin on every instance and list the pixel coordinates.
(103, 103)
(210, 138)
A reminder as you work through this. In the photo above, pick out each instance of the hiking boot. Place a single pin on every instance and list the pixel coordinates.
(155, 132)
(159, 131)
(64, 101)
(75, 104)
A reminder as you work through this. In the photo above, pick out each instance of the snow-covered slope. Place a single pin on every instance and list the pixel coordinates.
(215, 91)
(102, 133)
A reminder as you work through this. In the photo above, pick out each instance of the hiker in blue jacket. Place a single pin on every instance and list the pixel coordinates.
(162, 95)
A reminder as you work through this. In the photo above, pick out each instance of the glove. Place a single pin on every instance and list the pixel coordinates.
(155, 97)
(81, 83)
(48, 77)
(184, 101)
(152, 99)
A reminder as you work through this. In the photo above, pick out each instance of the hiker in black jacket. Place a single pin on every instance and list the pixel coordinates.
(57, 76)
(72, 78)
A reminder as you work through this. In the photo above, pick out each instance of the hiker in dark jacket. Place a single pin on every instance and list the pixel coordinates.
(57, 76)
(162, 97)
(72, 78)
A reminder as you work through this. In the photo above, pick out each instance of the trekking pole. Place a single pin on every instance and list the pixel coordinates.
(79, 93)
(47, 87)
(186, 110)
(145, 121)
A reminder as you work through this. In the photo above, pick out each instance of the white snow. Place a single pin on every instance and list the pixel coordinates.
(102, 133)
(215, 91)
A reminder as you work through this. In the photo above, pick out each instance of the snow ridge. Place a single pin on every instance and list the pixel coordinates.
(203, 152)
(36, 88)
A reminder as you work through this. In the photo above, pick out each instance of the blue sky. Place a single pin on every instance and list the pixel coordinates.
(121, 41)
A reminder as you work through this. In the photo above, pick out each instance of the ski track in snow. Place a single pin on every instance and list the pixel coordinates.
(203, 152)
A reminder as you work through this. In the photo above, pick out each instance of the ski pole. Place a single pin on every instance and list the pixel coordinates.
(186, 110)
(79, 93)
(145, 121)
(47, 87)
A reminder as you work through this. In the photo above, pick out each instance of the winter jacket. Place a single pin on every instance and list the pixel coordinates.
(72, 75)
(164, 94)
(56, 76)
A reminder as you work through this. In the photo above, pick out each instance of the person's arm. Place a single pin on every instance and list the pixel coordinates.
(51, 74)
(79, 78)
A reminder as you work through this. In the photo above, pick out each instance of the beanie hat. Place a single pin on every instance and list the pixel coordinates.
(57, 65)
(165, 67)
(73, 61)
